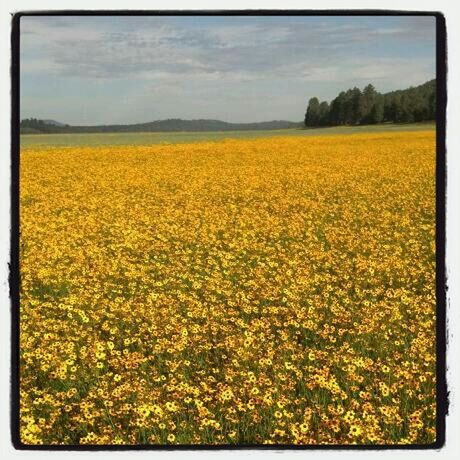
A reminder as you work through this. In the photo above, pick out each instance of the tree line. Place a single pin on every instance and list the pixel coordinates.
(355, 107)
(35, 125)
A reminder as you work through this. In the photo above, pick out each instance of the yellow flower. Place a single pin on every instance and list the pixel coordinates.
(355, 430)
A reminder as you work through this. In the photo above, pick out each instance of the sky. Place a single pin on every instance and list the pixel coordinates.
(107, 69)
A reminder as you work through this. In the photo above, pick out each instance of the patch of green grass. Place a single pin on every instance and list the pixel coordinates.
(95, 139)
(46, 291)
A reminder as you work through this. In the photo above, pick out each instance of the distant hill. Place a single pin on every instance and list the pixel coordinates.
(170, 125)
(53, 123)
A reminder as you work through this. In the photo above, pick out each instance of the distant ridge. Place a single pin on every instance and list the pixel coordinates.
(37, 126)
(53, 123)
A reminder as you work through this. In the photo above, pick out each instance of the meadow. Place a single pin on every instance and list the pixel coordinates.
(151, 138)
(248, 291)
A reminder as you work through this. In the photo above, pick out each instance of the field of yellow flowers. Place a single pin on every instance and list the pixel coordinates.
(276, 291)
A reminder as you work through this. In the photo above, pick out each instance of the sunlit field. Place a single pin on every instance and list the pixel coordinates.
(266, 291)
(139, 138)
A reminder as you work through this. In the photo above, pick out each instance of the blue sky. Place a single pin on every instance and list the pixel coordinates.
(103, 70)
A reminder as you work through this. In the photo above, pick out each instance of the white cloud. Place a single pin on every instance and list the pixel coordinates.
(98, 50)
